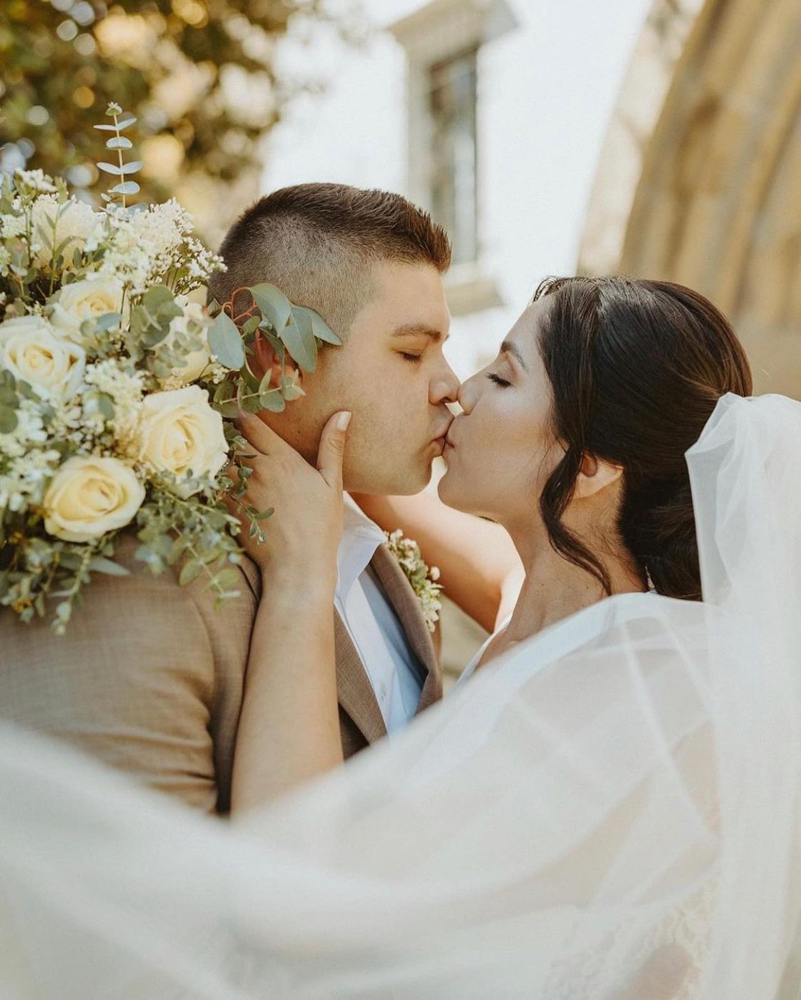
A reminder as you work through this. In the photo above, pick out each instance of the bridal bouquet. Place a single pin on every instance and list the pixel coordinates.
(118, 390)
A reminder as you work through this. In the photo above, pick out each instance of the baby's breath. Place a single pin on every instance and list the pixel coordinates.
(103, 364)
(422, 578)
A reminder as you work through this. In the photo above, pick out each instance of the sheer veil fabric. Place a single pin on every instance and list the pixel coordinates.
(615, 818)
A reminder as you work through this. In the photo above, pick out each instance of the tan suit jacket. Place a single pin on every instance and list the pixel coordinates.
(149, 676)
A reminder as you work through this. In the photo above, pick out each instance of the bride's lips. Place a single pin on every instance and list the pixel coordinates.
(441, 439)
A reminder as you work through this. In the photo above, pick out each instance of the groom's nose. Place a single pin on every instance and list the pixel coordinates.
(444, 386)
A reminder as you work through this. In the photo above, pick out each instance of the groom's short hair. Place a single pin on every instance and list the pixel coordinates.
(319, 242)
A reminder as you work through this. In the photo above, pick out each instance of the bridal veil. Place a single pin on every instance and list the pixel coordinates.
(615, 818)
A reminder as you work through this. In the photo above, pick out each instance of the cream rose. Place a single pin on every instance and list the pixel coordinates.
(196, 361)
(32, 350)
(82, 300)
(180, 433)
(90, 496)
(76, 223)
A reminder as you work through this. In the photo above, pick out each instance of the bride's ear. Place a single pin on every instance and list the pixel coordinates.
(266, 360)
(595, 474)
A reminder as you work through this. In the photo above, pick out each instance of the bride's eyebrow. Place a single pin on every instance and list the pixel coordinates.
(420, 330)
(509, 348)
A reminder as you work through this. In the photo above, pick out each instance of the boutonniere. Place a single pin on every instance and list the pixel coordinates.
(423, 580)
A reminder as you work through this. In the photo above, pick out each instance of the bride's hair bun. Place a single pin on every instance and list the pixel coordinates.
(636, 369)
(660, 534)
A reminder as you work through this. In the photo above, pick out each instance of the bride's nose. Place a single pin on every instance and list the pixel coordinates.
(468, 392)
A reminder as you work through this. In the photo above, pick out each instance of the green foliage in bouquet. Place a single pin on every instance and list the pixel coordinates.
(119, 392)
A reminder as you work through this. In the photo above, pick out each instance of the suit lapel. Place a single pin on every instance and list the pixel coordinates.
(250, 571)
(407, 607)
(356, 695)
(355, 692)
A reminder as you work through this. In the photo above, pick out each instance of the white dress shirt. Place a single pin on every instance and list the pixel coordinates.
(394, 671)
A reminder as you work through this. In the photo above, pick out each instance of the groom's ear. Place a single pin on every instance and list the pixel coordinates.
(595, 474)
(268, 361)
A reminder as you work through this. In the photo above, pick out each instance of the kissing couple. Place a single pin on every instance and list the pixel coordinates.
(610, 794)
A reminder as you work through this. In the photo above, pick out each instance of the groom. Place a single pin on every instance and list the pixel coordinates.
(149, 677)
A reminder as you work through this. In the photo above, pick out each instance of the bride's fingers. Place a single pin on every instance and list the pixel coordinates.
(262, 437)
(331, 453)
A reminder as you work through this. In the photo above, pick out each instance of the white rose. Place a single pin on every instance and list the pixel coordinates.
(196, 361)
(180, 433)
(90, 496)
(35, 352)
(77, 223)
(84, 300)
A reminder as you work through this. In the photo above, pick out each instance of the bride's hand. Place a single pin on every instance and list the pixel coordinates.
(304, 532)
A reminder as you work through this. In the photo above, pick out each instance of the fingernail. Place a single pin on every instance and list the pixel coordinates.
(343, 420)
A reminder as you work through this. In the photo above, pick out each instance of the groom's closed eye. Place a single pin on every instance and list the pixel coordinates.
(417, 337)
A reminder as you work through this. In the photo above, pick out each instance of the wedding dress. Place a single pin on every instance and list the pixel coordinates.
(609, 811)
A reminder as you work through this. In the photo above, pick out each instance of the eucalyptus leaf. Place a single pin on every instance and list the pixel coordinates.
(8, 420)
(126, 122)
(100, 565)
(118, 142)
(129, 187)
(292, 392)
(156, 297)
(272, 304)
(105, 128)
(189, 571)
(8, 396)
(106, 321)
(225, 579)
(133, 167)
(106, 405)
(272, 401)
(322, 331)
(250, 380)
(250, 326)
(225, 342)
(277, 345)
(228, 408)
(300, 344)
(224, 392)
(110, 168)
(248, 402)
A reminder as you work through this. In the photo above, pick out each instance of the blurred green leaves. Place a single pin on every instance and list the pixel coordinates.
(200, 75)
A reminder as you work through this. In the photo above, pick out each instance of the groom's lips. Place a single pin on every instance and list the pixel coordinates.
(441, 439)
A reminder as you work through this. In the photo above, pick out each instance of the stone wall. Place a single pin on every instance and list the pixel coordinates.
(699, 180)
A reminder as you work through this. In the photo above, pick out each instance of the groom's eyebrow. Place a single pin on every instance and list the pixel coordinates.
(509, 348)
(420, 330)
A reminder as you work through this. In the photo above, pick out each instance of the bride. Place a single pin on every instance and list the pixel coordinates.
(607, 809)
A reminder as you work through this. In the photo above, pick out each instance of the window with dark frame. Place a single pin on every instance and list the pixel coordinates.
(453, 152)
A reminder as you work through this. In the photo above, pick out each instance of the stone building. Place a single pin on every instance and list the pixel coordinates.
(699, 179)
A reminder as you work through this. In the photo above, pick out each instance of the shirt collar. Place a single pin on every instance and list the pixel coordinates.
(360, 539)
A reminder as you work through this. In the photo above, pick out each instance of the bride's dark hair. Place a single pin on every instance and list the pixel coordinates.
(636, 368)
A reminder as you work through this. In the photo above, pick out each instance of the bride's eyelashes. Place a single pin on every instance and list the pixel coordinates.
(414, 358)
(497, 379)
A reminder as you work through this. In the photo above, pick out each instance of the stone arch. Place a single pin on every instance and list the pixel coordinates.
(699, 180)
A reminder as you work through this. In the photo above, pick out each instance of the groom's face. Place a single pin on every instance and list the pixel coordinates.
(392, 375)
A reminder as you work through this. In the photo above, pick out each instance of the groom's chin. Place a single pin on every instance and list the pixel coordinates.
(410, 482)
